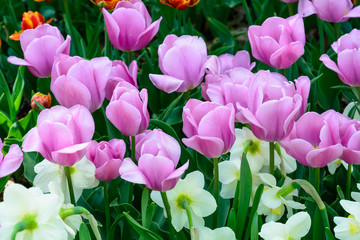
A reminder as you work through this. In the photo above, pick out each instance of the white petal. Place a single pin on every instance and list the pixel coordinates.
(273, 230)
(299, 225)
(228, 190)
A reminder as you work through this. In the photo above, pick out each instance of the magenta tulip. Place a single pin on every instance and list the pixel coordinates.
(119, 73)
(129, 26)
(182, 61)
(210, 127)
(278, 42)
(156, 172)
(273, 105)
(78, 81)
(347, 48)
(127, 109)
(157, 143)
(107, 158)
(12, 160)
(62, 135)
(329, 10)
(231, 87)
(314, 141)
(217, 65)
(40, 47)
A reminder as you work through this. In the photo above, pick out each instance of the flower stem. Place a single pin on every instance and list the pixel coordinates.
(291, 9)
(21, 226)
(71, 190)
(216, 189)
(130, 57)
(185, 205)
(272, 161)
(283, 72)
(321, 35)
(187, 95)
(168, 213)
(107, 208)
(348, 182)
(317, 179)
(133, 145)
(336, 29)
(247, 11)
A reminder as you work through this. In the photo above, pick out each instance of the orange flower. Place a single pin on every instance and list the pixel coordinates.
(180, 4)
(44, 100)
(107, 4)
(30, 20)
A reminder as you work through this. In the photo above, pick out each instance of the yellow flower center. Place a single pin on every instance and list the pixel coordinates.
(254, 148)
(277, 210)
(30, 221)
(354, 226)
(180, 199)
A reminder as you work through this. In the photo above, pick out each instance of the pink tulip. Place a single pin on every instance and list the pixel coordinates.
(217, 65)
(314, 141)
(119, 73)
(231, 87)
(40, 47)
(157, 143)
(127, 109)
(129, 26)
(78, 81)
(182, 61)
(278, 42)
(347, 48)
(329, 10)
(12, 161)
(273, 105)
(107, 158)
(62, 135)
(210, 127)
(156, 172)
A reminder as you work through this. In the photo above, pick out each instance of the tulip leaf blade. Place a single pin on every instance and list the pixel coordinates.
(84, 233)
(18, 88)
(143, 232)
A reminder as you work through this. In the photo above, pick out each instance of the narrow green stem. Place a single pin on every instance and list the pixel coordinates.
(21, 226)
(321, 35)
(216, 189)
(131, 191)
(187, 95)
(283, 72)
(133, 149)
(358, 88)
(179, 22)
(291, 9)
(317, 179)
(336, 30)
(130, 57)
(247, 12)
(107, 207)
(271, 154)
(185, 205)
(348, 182)
(69, 181)
(168, 213)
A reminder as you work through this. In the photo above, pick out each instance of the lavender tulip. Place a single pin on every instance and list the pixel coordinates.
(273, 105)
(329, 10)
(210, 127)
(78, 81)
(314, 141)
(129, 26)
(120, 72)
(182, 61)
(107, 158)
(12, 160)
(127, 109)
(40, 47)
(347, 48)
(62, 135)
(278, 42)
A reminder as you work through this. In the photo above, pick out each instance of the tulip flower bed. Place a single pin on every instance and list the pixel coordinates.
(179, 119)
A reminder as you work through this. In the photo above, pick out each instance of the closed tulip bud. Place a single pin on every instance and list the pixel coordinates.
(30, 20)
(44, 100)
(180, 4)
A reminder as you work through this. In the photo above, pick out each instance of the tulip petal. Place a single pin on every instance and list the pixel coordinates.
(70, 155)
(211, 147)
(146, 36)
(321, 157)
(171, 180)
(284, 57)
(32, 143)
(112, 28)
(166, 83)
(306, 8)
(332, 65)
(11, 161)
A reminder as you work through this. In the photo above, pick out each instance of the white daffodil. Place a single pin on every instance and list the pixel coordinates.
(71, 223)
(350, 107)
(223, 233)
(356, 195)
(348, 228)
(271, 204)
(201, 202)
(82, 176)
(40, 213)
(335, 164)
(296, 227)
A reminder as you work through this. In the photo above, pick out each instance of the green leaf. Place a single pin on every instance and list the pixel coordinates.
(144, 203)
(254, 228)
(5, 87)
(143, 232)
(253, 213)
(3, 182)
(328, 234)
(244, 196)
(18, 88)
(29, 161)
(340, 192)
(221, 31)
(231, 223)
(231, 3)
(84, 233)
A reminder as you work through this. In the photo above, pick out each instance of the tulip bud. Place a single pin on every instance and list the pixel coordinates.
(180, 4)
(30, 20)
(44, 100)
